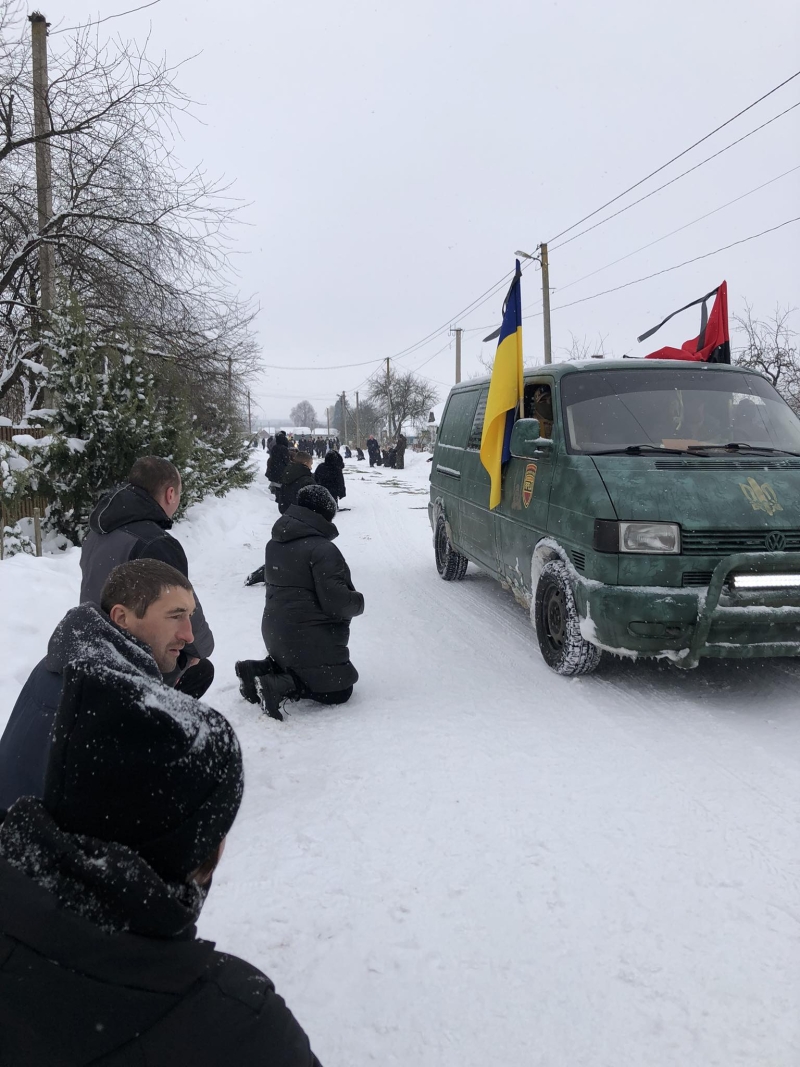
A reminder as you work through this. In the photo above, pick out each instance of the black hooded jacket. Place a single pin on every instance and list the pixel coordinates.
(329, 474)
(296, 477)
(278, 459)
(84, 632)
(310, 602)
(100, 964)
(128, 524)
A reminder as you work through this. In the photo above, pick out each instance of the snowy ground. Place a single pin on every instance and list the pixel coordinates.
(476, 862)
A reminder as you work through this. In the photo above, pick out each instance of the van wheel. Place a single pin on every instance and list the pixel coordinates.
(558, 624)
(450, 564)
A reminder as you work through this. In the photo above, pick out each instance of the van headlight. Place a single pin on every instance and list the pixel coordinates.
(661, 538)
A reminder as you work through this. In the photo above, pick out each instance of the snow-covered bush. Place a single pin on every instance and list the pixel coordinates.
(16, 542)
(109, 410)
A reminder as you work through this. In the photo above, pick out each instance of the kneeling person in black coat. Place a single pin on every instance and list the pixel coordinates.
(329, 474)
(310, 602)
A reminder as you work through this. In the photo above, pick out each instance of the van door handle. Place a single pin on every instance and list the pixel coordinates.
(448, 471)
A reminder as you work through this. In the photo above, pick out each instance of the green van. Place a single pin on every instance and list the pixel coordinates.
(649, 508)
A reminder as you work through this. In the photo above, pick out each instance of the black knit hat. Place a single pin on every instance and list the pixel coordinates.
(317, 498)
(138, 763)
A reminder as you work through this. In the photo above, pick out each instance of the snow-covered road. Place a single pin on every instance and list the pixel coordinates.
(477, 862)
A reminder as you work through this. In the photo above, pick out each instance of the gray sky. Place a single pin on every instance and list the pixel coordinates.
(396, 155)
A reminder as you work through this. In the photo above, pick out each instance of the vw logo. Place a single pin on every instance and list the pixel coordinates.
(775, 542)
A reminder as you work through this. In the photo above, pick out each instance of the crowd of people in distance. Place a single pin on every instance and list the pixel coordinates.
(390, 456)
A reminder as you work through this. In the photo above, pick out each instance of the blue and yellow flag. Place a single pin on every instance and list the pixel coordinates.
(505, 391)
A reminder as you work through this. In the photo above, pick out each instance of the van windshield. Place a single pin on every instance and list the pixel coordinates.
(681, 408)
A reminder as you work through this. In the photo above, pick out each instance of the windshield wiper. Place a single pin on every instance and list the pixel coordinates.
(639, 450)
(739, 446)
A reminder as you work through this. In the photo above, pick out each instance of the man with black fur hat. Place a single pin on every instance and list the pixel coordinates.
(144, 621)
(310, 602)
(102, 882)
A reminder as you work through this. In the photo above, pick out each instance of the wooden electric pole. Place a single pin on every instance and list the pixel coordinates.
(230, 382)
(328, 419)
(344, 418)
(546, 303)
(358, 432)
(44, 172)
(389, 396)
(249, 416)
(457, 331)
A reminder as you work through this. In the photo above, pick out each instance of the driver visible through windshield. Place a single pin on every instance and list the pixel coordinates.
(682, 409)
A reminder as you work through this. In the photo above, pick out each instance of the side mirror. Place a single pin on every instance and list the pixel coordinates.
(526, 441)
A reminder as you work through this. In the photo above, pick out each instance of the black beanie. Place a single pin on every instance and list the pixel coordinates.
(138, 763)
(317, 498)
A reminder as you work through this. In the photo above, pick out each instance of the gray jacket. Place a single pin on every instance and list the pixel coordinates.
(128, 524)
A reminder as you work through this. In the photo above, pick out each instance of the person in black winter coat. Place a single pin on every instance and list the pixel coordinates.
(132, 522)
(338, 459)
(310, 602)
(102, 882)
(142, 621)
(278, 461)
(296, 476)
(329, 474)
(374, 450)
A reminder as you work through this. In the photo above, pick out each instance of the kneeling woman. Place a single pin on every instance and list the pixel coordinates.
(310, 602)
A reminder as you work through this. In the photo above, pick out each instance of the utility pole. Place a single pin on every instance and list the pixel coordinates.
(457, 330)
(344, 418)
(44, 173)
(249, 416)
(230, 381)
(546, 303)
(389, 396)
(358, 433)
(328, 418)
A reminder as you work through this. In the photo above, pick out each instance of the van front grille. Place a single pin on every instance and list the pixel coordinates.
(726, 542)
(695, 578)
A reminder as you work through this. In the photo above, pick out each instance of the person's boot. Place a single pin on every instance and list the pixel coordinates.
(273, 689)
(247, 671)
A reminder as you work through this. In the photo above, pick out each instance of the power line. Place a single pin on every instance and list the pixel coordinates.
(96, 22)
(678, 177)
(666, 270)
(663, 166)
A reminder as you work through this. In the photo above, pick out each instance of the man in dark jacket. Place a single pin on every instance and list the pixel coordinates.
(374, 450)
(102, 882)
(330, 475)
(132, 523)
(278, 461)
(143, 621)
(296, 476)
(310, 602)
(400, 451)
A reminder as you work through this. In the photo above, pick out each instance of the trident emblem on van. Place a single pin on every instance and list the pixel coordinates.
(761, 497)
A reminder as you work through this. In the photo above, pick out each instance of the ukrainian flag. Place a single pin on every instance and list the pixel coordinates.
(505, 390)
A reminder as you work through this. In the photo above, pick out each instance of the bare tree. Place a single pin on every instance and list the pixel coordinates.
(769, 345)
(141, 241)
(583, 348)
(401, 398)
(303, 414)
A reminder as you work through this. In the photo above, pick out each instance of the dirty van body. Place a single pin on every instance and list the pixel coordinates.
(649, 508)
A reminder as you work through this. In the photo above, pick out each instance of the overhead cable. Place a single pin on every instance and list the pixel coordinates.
(666, 270)
(663, 166)
(678, 177)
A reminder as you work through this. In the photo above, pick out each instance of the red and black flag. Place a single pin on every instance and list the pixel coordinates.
(713, 343)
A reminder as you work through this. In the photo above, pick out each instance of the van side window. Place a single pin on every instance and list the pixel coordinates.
(476, 432)
(458, 418)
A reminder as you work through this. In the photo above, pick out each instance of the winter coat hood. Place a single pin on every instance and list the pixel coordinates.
(302, 522)
(331, 460)
(108, 884)
(86, 632)
(128, 503)
(294, 472)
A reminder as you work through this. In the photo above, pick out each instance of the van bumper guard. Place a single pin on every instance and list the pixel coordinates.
(713, 615)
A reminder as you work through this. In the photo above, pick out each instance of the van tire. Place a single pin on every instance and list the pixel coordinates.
(558, 624)
(450, 564)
